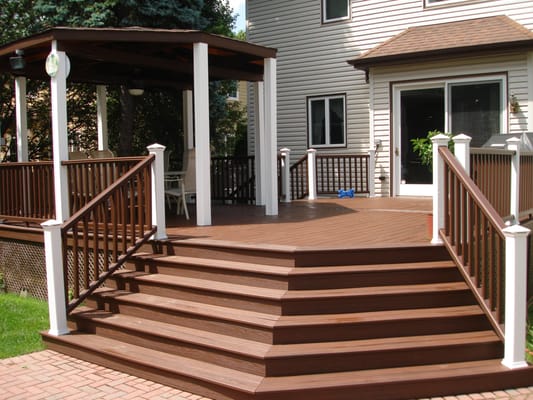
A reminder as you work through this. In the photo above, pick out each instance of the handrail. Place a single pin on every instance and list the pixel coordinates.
(100, 237)
(473, 233)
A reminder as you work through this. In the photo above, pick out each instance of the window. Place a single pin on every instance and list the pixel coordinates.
(327, 124)
(335, 10)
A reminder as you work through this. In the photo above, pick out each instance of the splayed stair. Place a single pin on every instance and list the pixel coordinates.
(248, 322)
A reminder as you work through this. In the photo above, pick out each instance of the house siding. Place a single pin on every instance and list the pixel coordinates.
(312, 61)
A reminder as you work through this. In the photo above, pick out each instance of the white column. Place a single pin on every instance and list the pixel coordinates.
(530, 91)
(513, 144)
(271, 137)
(158, 191)
(438, 187)
(462, 150)
(188, 119)
(201, 120)
(57, 303)
(515, 296)
(286, 174)
(311, 173)
(101, 112)
(21, 110)
(59, 134)
(259, 128)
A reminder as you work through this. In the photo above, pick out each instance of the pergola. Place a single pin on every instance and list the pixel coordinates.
(184, 59)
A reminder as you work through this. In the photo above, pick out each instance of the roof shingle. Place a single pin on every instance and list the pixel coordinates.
(446, 38)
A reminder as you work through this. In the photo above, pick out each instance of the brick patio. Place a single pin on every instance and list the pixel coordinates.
(48, 375)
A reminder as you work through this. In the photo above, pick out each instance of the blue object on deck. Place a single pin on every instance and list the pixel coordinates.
(346, 193)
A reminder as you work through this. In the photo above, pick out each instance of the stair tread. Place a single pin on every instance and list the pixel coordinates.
(222, 264)
(158, 360)
(218, 286)
(382, 344)
(377, 290)
(243, 346)
(191, 307)
(382, 376)
(237, 345)
(279, 294)
(376, 316)
(273, 320)
(372, 267)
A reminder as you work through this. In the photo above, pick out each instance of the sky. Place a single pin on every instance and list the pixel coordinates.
(238, 7)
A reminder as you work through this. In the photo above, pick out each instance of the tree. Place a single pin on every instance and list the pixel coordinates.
(23, 17)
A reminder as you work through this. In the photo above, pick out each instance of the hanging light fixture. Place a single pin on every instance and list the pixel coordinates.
(17, 62)
(136, 85)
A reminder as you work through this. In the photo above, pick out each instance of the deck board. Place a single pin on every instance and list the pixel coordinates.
(327, 222)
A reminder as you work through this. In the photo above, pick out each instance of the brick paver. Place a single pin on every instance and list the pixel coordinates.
(48, 375)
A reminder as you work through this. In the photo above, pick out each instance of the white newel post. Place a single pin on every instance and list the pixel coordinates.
(158, 191)
(513, 144)
(462, 150)
(515, 296)
(438, 187)
(311, 173)
(57, 303)
(286, 174)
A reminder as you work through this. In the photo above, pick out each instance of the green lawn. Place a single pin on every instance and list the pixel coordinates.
(21, 320)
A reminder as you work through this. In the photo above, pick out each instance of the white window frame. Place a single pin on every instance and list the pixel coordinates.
(327, 122)
(327, 21)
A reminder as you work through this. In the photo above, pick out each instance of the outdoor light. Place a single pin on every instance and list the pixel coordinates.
(17, 62)
(136, 91)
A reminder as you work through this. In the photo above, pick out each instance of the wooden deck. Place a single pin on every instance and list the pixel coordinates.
(322, 223)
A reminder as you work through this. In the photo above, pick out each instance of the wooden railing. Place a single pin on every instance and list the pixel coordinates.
(89, 177)
(299, 179)
(98, 238)
(233, 179)
(27, 191)
(342, 171)
(491, 172)
(473, 234)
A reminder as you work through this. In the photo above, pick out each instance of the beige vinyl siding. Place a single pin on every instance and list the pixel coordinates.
(312, 62)
(512, 64)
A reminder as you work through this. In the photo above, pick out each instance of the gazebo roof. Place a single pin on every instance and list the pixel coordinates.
(158, 57)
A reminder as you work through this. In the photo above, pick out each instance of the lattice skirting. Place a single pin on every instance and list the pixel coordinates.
(23, 266)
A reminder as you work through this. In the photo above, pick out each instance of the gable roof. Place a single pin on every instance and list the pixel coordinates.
(452, 38)
(161, 57)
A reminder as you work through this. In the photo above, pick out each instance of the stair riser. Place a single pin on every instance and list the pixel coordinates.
(188, 349)
(391, 358)
(190, 320)
(203, 296)
(377, 302)
(219, 275)
(379, 329)
(377, 278)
